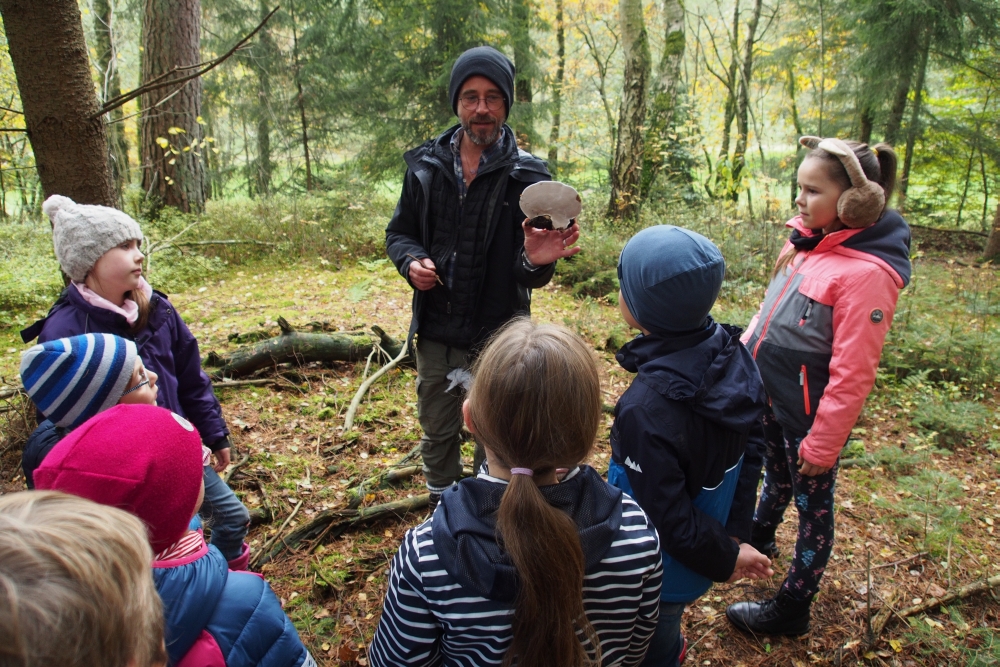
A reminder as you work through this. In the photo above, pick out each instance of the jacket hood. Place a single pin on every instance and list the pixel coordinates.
(710, 371)
(887, 242)
(438, 150)
(465, 536)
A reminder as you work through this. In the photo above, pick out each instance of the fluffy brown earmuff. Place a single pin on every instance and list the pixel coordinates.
(861, 204)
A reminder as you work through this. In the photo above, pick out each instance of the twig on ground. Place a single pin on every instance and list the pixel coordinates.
(957, 594)
(363, 389)
(234, 468)
(246, 383)
(894, 563)
(262, 554)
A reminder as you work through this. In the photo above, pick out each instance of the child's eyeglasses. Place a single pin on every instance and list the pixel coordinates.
(143, 381)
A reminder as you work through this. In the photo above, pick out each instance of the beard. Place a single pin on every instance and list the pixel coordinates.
(481, 137)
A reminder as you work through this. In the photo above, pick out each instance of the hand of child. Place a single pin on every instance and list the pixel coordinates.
(811, 469)
(751, 564)
(221, 459)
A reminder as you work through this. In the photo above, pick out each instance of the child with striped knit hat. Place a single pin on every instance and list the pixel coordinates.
(72, 379)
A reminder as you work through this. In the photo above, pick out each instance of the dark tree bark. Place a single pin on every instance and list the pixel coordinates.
(110, 85)
(723, 167)
(171, 37)
(797, 124)
(664, 97)
(626, 170)
(992, 251)
(300, 98)
(60, 106)
(866, 121)
(557, 89)
(913, 127)
(743, 99)
(524, 67)
(261, 60)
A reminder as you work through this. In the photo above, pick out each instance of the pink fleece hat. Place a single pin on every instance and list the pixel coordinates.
(140, 458)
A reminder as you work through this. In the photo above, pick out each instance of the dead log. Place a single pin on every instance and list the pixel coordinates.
(298, 347)
(957, 594)
(331, 523)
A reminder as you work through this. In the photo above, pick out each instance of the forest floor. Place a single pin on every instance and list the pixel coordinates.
(913, 521)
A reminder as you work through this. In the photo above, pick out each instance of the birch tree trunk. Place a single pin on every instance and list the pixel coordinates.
(664, 97)
(171, 37)
(60, 106)
(626, 170)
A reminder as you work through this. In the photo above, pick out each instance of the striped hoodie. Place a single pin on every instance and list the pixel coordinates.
(452, 588)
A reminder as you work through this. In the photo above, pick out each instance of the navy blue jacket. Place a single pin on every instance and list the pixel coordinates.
(210, 610)
(476, 241)
(40, 443)
(166, 346)
(687, 443)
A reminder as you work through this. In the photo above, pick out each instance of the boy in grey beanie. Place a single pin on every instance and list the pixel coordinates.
(687, 437)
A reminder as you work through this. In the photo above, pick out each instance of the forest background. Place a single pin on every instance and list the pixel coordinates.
(263, 187)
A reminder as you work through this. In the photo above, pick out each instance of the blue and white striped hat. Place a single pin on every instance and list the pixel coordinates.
(72, 379)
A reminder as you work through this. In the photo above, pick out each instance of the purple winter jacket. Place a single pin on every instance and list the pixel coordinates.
(166, 346)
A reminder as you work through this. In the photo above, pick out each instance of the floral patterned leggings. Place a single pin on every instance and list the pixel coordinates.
(813, 497)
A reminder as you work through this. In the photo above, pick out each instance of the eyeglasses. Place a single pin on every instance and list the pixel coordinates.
(143, 381)
(471, 101)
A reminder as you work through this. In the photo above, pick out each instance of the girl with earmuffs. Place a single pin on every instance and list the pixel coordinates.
(817, 340)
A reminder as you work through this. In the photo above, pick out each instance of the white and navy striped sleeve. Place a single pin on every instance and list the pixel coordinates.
(407, 632)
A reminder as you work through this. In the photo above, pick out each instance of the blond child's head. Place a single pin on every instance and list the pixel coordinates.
(76, 588)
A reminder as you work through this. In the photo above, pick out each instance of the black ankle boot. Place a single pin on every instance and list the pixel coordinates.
(762, 539)
(781, 615)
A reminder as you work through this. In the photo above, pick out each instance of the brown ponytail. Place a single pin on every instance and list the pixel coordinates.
(536, 403)
(142, 302)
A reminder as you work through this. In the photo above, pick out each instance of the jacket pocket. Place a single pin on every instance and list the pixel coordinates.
(804, 382)
(806, 313)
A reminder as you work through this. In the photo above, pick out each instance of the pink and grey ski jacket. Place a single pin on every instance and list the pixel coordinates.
(819, 333)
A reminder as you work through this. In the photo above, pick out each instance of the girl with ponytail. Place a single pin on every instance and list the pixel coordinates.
(518, 566)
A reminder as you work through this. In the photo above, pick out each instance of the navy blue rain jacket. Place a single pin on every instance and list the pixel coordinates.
(687, 444)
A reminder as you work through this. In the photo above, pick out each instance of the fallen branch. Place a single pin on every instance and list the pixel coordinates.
(234, 468)
(223, 242)
(12, 391)
(357, 494)
(883, 615)
(363, 389)
(226, 382)
(260, 558)
(331, 523)
(293, 346)
(957, 594)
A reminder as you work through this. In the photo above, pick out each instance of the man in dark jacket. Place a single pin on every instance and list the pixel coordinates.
(687, 438)
(458, 239)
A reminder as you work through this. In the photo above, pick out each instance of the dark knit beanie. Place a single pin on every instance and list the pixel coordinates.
(140, 458)
(483, 61)
(72, 379)
(670, 278)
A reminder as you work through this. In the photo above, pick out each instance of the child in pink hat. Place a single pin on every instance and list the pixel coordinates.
(148, 461)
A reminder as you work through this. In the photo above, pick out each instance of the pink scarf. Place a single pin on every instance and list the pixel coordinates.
(129, 310)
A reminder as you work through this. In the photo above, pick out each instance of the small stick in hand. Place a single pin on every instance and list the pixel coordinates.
(436, 276)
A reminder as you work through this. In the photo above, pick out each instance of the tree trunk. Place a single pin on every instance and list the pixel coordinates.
(110, 82)
(557, 89)
(895, 120)
(723, 167)
(992, 251)
(664, 97)
(626, 170)
(743, 100)
(261, 60)
(67, 135)
(524, 67)
(171, 37)
(797, 124)
(866, 121)
(913, 127)
(300, 99)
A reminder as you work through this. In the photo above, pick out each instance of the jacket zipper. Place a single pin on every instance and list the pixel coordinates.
(777, 302)
(805, 316)
(804, 382)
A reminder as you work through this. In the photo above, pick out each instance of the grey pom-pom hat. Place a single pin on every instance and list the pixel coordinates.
(81, 233)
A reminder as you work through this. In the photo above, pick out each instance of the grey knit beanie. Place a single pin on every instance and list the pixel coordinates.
(670, 278)
(483, 61)
(81, 233)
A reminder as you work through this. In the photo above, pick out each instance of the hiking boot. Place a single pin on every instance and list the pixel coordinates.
(781, 615)
(432, 501)
(762, 539)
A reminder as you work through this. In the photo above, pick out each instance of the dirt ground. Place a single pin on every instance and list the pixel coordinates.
(299, 463)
